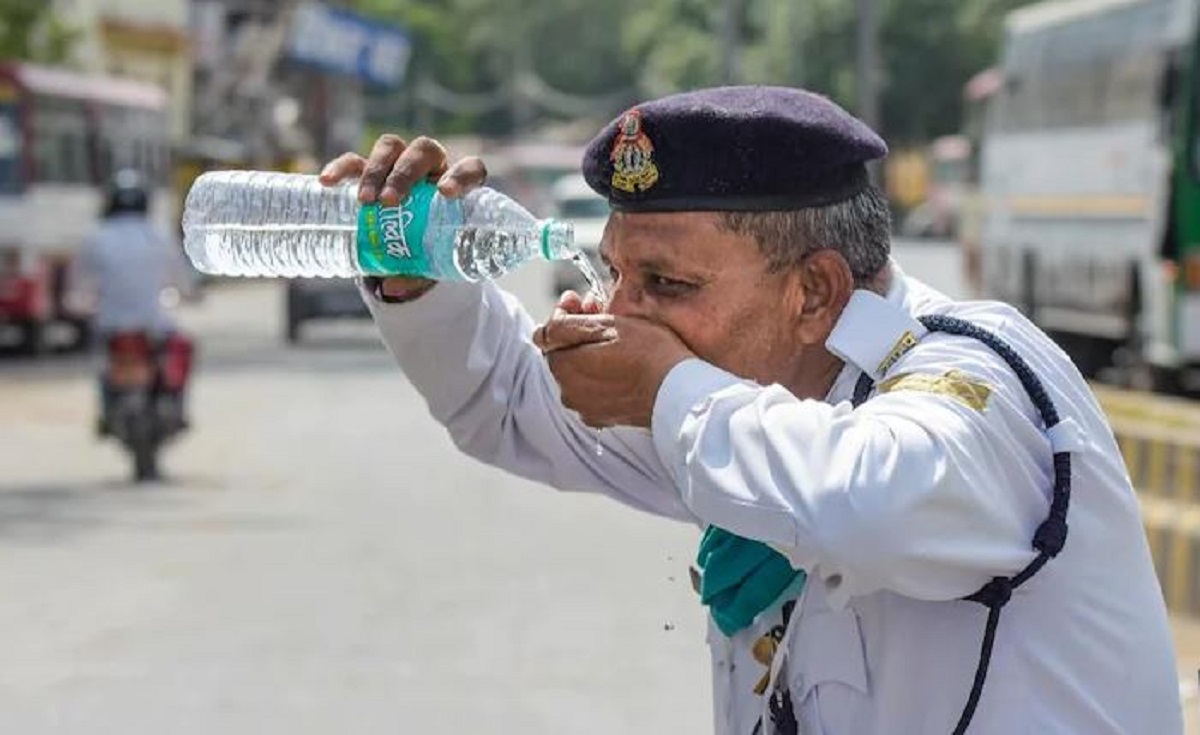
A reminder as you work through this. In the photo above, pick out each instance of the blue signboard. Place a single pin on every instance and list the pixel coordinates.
(345, 43)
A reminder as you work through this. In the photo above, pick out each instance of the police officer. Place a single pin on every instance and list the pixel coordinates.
(879, 471)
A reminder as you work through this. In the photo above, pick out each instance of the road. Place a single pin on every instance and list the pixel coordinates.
(322, 560)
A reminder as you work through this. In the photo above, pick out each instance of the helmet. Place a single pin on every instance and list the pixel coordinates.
(126, 193)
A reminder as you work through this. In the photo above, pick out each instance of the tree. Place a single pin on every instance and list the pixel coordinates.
(928, 51)
(480, 49)
(31, 31)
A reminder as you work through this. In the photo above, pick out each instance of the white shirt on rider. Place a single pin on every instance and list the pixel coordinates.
(121, 275)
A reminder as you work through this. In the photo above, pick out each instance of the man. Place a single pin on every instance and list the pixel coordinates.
(125, 270)
(754, 306)
(125, 266)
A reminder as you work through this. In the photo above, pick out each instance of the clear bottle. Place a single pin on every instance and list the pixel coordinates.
(254, 223)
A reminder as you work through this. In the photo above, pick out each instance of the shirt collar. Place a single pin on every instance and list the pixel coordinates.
(873, 333)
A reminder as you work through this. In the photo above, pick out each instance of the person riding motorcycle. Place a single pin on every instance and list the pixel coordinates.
(127, 273)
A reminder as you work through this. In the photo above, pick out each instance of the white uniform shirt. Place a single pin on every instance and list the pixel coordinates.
(896, 510)
(121, 274)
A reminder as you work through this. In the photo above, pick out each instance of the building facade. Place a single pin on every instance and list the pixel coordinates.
(136, 39)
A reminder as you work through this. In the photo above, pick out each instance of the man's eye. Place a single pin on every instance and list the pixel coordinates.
(613, 274)
(668, 286)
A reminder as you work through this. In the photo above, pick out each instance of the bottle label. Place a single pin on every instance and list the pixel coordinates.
(390, 239)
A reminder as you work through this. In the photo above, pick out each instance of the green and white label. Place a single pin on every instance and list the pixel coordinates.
(390, 238)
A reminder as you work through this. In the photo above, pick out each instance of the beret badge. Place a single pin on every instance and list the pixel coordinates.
(633, 156)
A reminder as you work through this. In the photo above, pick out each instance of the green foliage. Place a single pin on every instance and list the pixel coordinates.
(929, 55)
(673, 43)
(30, 31)
(928, 50)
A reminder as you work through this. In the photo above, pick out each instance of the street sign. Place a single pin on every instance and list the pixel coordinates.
(348, 44)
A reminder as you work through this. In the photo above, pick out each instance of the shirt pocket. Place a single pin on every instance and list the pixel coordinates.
(827, 672)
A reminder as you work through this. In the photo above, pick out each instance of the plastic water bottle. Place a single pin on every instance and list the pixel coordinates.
(252, 223)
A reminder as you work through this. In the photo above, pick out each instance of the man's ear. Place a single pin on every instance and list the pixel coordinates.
(828, 285)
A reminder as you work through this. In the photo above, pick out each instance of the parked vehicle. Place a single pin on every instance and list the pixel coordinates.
(1091, 176)
(320, 298)
(62, 134)
(947, 161)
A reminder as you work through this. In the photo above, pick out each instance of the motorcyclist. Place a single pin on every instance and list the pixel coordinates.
(128, 272)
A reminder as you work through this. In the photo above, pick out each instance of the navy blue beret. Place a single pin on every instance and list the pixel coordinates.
(748, 148)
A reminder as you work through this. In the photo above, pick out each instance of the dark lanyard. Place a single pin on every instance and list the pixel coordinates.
(1051, 535)
(1048, 541)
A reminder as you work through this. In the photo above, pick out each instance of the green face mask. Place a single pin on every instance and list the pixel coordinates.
(740, 578)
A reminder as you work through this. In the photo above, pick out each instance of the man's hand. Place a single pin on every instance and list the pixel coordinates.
(388, 175)
(608, 368)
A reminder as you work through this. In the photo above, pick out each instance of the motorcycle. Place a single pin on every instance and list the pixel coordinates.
(143, 383)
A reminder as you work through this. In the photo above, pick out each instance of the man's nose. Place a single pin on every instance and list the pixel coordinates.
(626, 300)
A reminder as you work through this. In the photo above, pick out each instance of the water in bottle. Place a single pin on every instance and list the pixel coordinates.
(251, 223)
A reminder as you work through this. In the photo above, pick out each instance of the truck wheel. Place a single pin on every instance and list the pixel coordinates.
(293, 313)
(293, 329)
(1167, 380)
(33, 339)
(81, 337)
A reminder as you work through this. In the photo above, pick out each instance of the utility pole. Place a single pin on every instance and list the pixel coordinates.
(868, 67)
(521, 22)
(521, 108)
(797, 29)
(731, 41)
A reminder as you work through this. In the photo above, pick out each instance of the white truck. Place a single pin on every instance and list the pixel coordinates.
(1090, 177)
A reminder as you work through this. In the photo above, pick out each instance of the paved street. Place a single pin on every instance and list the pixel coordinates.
(322, 560)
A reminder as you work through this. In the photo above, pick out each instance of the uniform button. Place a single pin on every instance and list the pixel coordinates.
(833, 581)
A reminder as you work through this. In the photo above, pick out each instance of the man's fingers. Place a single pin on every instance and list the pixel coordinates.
(422, 158)
(569, 303)
(572, 330)
(592, 304)
(394, 166)
(463, 176)
(384, 154)
(576, 321)
(345, 166)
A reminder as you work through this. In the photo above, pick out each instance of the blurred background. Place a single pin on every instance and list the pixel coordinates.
(318, 556)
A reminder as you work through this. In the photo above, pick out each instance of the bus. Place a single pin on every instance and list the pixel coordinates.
(62, 134)
(1090, 174)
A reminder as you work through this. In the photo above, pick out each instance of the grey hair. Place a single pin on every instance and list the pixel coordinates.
(858, 228)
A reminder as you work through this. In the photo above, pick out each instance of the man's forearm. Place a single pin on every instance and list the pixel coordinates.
(465, 347)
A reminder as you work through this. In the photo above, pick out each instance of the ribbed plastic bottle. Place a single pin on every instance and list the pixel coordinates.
(255, 223)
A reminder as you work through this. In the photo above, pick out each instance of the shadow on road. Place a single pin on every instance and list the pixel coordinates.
(332, 353)
(326, 356)
(44, 513)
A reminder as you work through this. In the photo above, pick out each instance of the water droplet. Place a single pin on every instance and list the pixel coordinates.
(589, 273)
